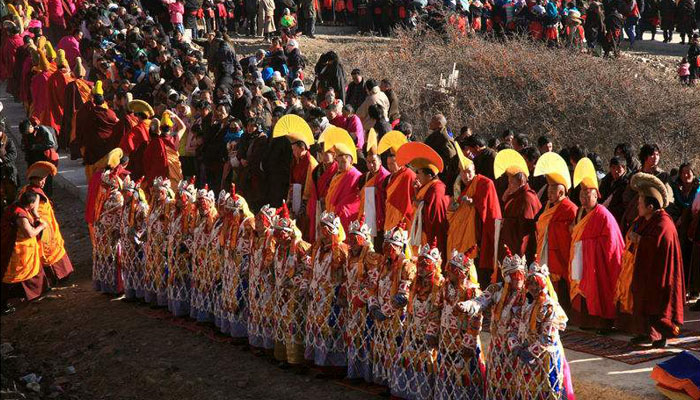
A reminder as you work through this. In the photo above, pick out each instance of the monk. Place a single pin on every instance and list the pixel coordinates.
(55, 260)
(656, 289)
(554, 222)
(57, 95)
(12, 43)
(71, 45)
(321, 179)
(76, 94)
(93, 126)
(127, 119)
(161, 152)
(39, 86)
(135, 141)
(518, 230)
(20, 253)
(399, 187)
(343, 197)
(596, 256)
(21, 56)
(373, 194)
(301, 180)
(474, 211)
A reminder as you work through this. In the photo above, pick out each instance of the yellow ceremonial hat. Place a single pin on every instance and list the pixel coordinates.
(391, 140)
(339, 141)
(97, 89)
(46, 46)
(295, 128)
(140, 106)
(61, 59)
(371, 146)
(43, 61)
(114, 157)
(509, 161)
(78, 69)
(331, 134)
(554, 168)
(166, 120)
(41, 169)
(420, 155)
(584, 174)
(464, 161)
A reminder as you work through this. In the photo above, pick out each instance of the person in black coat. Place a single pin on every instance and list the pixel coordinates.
(9, 179)
(440, 141)
(276, 166)
(330, 74)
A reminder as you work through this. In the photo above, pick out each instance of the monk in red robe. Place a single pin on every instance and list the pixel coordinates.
(656, 288)
(399, 186)
(39, 88)
(321, 180)
(554, 223)
(474, 211)
(93, 126)
(22, 55)
(127, 119)
(301, 179)
(343, 197)
(76, 94)
(373, 196)
(596, 256)
(161, 152)
(521, 205)
(57, 95)
(135, 141)
(10, 45)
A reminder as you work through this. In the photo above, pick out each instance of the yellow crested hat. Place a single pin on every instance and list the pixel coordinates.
(391, 140)
(78, 69)
(97, 89)
(295, 128)
(166, 120)
(419, 155)
(509, 161)
(464, 161)
(61, 59)
(340, 142)
(371, 147)
(43, 61)
(140, 106)
(41, 169)
(554, 168)
(584, 174)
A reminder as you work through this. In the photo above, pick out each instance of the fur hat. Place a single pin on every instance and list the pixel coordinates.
(650, 186)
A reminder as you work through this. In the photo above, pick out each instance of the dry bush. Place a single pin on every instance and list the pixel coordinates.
(573, 97)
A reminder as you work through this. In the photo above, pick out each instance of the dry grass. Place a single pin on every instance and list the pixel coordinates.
(520, 85)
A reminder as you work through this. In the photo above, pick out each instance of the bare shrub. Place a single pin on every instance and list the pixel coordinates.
(517, 84)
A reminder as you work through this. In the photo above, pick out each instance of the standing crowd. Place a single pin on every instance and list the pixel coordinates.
(310, 222)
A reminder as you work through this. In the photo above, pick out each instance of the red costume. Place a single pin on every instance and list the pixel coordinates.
(434, 214)
(134, 145)
(518, 226)
(399, 197)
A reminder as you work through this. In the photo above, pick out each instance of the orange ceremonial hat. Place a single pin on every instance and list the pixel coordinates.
(41, 169)
(419, 155)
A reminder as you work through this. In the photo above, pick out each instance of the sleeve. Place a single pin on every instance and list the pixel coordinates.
(471, 335)
(546, 332)
(408, 273)
(10, 151)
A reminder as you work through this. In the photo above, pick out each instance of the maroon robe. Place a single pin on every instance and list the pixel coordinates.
(518, 230)
(93, 127)
(134, 145)
(658, 283)
(435, 224)
(76, 94)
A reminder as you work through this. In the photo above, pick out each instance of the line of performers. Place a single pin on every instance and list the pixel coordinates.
(399, 316)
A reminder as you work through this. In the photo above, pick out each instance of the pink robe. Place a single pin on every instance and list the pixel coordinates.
(41, 106)
(346, 198)
(7, 56)
(71, 46)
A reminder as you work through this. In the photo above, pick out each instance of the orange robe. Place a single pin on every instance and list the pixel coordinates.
(21, 256)
(399, 198)
(433, 213)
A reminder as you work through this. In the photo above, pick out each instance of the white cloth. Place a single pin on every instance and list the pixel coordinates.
(296, 198)
(577, 262)
(370, 210)
(417, 226)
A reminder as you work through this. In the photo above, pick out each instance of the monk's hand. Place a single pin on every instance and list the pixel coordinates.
(467, 200)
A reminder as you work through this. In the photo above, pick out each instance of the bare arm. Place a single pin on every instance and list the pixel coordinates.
(28, 230)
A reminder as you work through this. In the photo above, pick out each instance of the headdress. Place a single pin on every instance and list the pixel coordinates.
(359, 228)
(206, 194)
(650, 186)
(420, 155)
(187, 189)
(464, 161)
(140, 106)
(295, 128)
(282, 222)
(41, 169)
(332, 221)
(398, 236)
(511, 162)
(554, 168)
(430, 252)
(512, 263)
(97, 89)
(339, 141)
(391, 140)
(584, 174)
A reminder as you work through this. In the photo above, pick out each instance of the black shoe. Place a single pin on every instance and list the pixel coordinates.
(659, 344)
(8, 310)
(641, 339)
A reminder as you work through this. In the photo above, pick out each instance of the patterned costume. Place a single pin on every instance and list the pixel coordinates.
(235, 233)
(261, 282)
(204, 258)
(132, 234)
(461, 367)
(180, 245)
(416, 366)
(106, 276)
(361, 275)
(291, 265)
(155, 247)
(507, 300)
(543, 372)
(387, 304)
(326, 313)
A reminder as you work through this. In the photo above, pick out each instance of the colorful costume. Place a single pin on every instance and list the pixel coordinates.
(291, 265)
(261, 282)
(132, 235)
(106, 274)
(326, 313)
(155, 247)
(361, 276)
(180, 249)
(461, 368)
(417, 362)
(387, 303)
(205, 257)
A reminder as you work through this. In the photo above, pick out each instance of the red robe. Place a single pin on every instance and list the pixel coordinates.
(518, 227)
(399, 198)
(601, 247)
(57, 97)
(7, 56)
(318, 191)
(159, 163)
(658, 282)
(344, 196)
(76, 94)
(134, 145)
(434, 215)
(488, 210)
(40, 98)
(126, 122)
(93, 127)
(559, 238)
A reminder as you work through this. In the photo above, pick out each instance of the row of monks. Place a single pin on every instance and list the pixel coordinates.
(406, 313)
